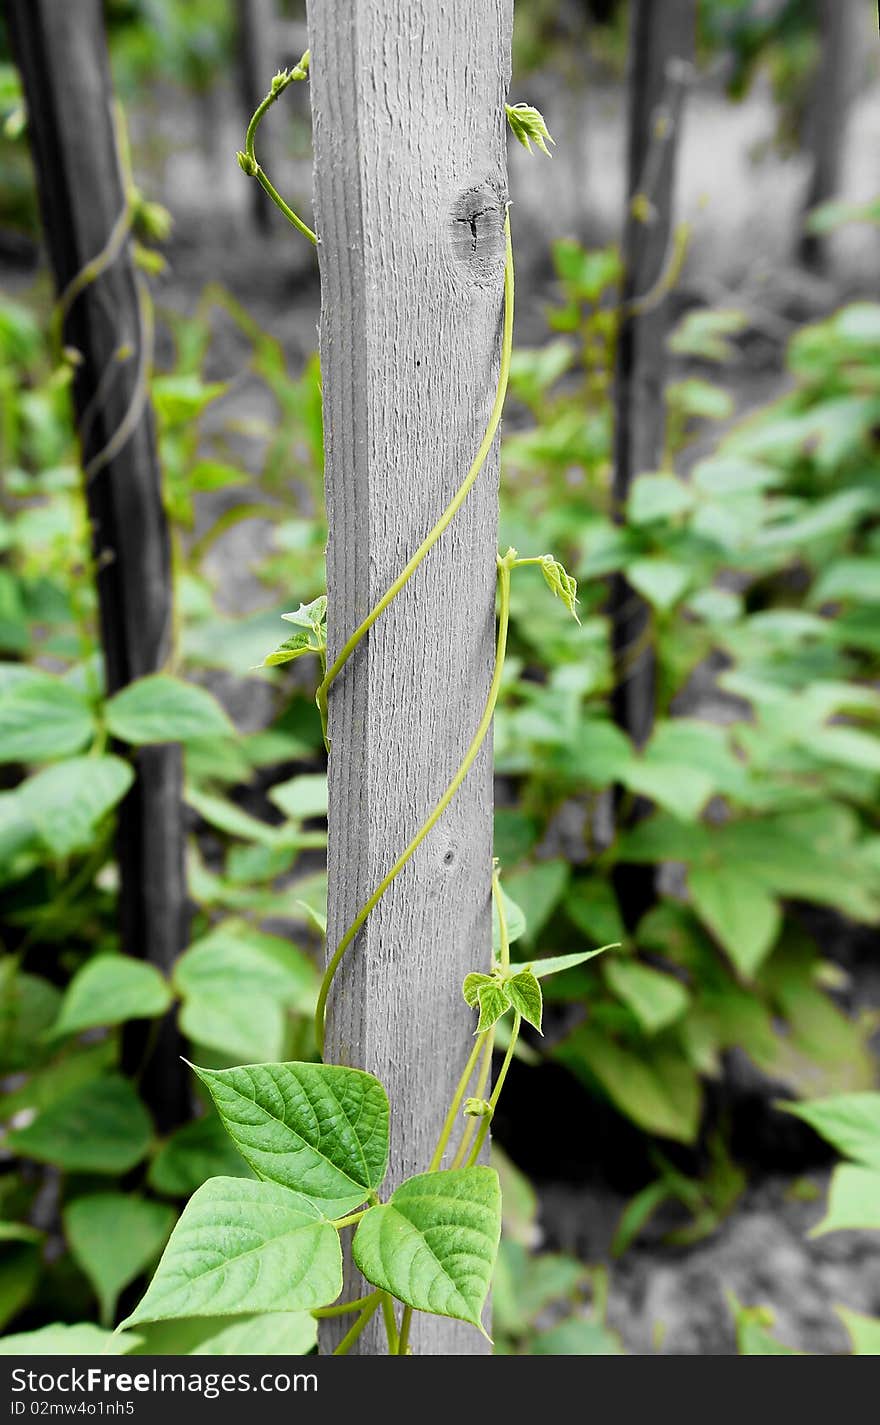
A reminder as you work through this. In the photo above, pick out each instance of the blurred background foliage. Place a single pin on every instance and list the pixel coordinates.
(648, 1113)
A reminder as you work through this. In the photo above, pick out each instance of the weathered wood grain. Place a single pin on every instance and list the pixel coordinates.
(410, 191)
(61, 53)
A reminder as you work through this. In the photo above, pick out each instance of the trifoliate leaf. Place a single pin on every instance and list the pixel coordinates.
(528, 126)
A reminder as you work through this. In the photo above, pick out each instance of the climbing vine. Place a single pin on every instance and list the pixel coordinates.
(317, 1135)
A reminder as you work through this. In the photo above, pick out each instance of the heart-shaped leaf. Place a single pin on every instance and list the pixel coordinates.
(160, 708)
(524, 994)
(101, 1126)
(473, 983)
(319, 1129)
(433, 1244)
(243, 1246)
(109, 990)
(493, 1002)
(113, 1238)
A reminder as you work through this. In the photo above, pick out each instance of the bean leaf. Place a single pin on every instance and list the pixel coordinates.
(524, 993)
(319, 1129)
(243, 1246)
(109, 990)
(433, 1244)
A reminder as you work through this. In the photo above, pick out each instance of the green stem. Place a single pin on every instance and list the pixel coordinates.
(502, 919)
(353, 1217)
(470, 1127)
(457, 500)
(300, 71)
(496, 1092)
(390, 1323)
(403, 1338)
(469, 758)
(369, 1311)
(452, 1115)
(343, 1307)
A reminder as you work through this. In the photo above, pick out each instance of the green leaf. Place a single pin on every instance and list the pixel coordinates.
(236, 983)
(164, 709)
(42, 717)
(850, 1122)
(274, 1333)
(655, 999)
(637, 1213)
(110, 990)
(528, 126)
(577, 1337)
(28, 1005)
(473, 983)
(227, 817)
(555, 964)
(591, 904)
(752, 1337)
(113, 1238)
(741, 914)
(658, 497)
(310, 622)
(519, 1201)
(319, 1129)
(433, 1244)
(526, 1284)
(67, 801)
(561, 584)
(242, 1028)
(20, 1263)
(101, 1127)
(301, 797)
(193, 1153)
(654, 1087)
(244, 1246)
(181, 398)
(524, 994)
(853, 1201)
(62, 1340)
(538, 890)
(493, 1001)
(661, 581)
(514, 920)
(863, 1331)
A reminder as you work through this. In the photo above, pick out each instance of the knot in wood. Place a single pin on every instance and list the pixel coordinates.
(477, 231)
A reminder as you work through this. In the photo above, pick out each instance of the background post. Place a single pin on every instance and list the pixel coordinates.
(62, 57)
(661, 44)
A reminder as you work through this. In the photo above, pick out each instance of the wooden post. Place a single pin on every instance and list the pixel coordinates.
(410, 193)
(661, 43)
(833, 87)
(61, 52)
